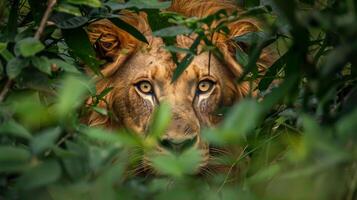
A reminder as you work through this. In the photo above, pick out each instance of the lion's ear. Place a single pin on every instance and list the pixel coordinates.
(105, 38)
(230, 46)
(115, 45)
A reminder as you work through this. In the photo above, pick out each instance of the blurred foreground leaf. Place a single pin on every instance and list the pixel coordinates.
(72, 94)
(178, 165)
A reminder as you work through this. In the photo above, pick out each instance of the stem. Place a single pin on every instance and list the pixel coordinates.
(5, 90)
(41, 28)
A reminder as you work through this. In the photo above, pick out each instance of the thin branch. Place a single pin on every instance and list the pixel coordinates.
(41, 28)
(5, 90)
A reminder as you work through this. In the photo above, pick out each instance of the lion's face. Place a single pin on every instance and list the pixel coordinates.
(141, 75)
(144, 81)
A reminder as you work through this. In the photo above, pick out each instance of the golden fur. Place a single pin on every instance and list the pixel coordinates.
(130, 62)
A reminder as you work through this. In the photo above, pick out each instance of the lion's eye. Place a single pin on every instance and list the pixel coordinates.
(144, 87)
(205, 86)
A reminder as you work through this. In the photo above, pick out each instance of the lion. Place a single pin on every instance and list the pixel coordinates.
(140, 75)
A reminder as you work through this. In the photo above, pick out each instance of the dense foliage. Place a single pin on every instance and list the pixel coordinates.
(297, 140)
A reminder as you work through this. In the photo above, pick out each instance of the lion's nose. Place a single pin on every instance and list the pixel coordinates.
(178, 145)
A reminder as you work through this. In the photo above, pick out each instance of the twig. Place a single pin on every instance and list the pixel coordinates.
(5, 90)
(41, 28)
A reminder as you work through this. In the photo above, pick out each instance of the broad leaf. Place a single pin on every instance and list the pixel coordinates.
(29, 47)
(41, 175)
(91, 3)
(14, 154)
(72, 94)
(128, 28)
(45, 140)
(186, 61)
(15, 66)
(172, 31)
(14, 129)
(42, 64)
(140, 4)
(64, 65)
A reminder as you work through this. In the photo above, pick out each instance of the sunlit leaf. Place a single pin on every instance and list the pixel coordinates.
(91, 3)
(67, 8)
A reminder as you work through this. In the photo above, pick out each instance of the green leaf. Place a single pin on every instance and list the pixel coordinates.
(242, 57)
(102, 135)
(70, 22)
(100, 110)
(3, 46)
(42, 64)
(273, 71)
(177, 165)
(14, 129)
(72, 94)
(252, 3)
(265, 174)
(67, 8)
(119, 139)
(29, 46)
(4, 52)
(14, 154)
(104, 92)
(347, 124)
(252, 38)
(161, 120)
(45, 140)
(140, 4)
(64, 66)
(78, 41)
(241, 120)
(172, 31)
(128, 28)
(31, 111)
(186, 61)
(1, 71)
(15, 66)
(11, 28)
(41, 175)
(91, 3)
(176, 49)
(182, 66)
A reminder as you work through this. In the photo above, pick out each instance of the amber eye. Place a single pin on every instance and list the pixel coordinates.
(144, 87)
(205, 86)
